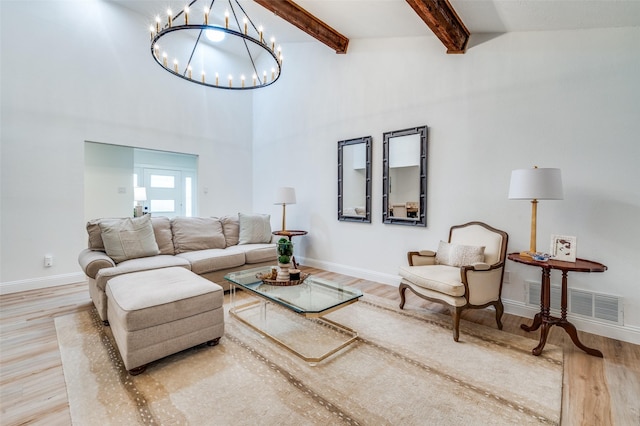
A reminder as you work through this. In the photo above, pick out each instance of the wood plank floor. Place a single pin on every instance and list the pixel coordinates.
(32, 387)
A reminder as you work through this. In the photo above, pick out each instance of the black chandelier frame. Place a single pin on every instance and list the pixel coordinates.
(168, 28)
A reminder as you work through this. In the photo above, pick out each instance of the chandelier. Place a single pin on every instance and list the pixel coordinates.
(215, 44)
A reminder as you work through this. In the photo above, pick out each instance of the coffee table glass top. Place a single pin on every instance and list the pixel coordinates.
(313, 296)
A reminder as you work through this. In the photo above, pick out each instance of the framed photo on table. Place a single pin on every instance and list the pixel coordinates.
(563, 248)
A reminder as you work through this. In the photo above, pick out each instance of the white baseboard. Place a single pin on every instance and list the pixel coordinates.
(38, 283)
(625, 333)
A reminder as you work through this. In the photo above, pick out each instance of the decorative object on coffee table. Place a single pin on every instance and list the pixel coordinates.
(289, 235)
(285, 251)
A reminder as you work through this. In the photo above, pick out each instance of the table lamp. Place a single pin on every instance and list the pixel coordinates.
(535, 184)
(285, 195)
(139, 194)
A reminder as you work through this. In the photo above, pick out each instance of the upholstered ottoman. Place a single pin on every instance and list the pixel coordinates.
(162, 311)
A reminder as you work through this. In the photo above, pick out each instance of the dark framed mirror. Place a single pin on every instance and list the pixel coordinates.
(404, 177)
(354, 180)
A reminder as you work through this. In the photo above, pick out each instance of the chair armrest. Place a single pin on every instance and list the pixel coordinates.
(482, 282)
(422, 257)
(92, 261)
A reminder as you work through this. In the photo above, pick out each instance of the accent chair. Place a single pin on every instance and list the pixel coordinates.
(465, 273)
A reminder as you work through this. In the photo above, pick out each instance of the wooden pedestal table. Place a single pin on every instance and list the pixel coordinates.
(290, 234)
(543, 318)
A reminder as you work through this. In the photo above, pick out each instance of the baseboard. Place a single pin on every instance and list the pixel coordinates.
(625, 333)
(364, 274)
(38, 283)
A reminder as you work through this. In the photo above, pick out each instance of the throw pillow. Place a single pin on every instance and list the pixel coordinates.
(231, 229)
(254, 228)
(458, 254)
(129, 238)
(197, 233)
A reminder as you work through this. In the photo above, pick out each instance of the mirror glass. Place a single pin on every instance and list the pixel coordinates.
(354, 180)
(404, 175)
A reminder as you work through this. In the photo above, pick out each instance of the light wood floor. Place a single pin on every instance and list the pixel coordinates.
(32, 388)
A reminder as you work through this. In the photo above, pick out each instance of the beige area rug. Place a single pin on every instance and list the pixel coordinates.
(404, 369)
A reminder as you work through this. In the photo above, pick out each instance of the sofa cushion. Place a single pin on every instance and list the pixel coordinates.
(231, 229)
(162, 231)
(129, 238)
(442, 278)
(257, 253)
(136, 265)
(458, 254)
(203, 261)
(254, 228)
(196, 233)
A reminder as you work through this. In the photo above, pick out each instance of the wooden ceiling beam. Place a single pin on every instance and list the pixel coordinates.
(295, 15)
(445, 23)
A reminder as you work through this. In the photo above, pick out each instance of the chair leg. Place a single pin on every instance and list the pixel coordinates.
(455, 312)
(402, 289)
(499, 311)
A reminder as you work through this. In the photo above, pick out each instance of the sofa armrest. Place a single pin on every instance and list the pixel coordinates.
(92, 261)
(422, 257)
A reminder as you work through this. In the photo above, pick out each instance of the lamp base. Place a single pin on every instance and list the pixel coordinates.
(526, 254)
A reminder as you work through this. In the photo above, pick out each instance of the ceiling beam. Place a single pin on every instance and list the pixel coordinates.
(444, 22)
(294, 14)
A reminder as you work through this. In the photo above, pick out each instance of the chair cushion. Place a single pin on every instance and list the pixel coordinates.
(459, 254)
(129, 238)
(203, 261)
(442, 278)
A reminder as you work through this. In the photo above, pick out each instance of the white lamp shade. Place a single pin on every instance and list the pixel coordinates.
(140, 194)
(285, 195)
(536, 184)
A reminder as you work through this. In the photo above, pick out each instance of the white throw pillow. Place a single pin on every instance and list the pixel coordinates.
(129, 238)
(458, 254)
(254, 228)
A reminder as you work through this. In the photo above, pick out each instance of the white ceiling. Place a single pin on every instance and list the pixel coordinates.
(395, 18)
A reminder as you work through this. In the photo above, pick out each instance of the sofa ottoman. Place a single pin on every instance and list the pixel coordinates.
(160, 312)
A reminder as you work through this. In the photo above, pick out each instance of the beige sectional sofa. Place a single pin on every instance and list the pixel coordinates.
(209, 247)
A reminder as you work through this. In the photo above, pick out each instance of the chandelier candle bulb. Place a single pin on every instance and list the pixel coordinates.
(203, 76)
(254, 79)
(273, 74)
(260, 31)
(164, 59)
(206, 15)
(157, 23)
(151, 30)
(175, 65)
(226, 19)
(189, 70)
(242, 80)
(170, 19)
(230, 80)
(217, 77)
(186, 15)
(244, 20)
(264, 77)
(273, 44)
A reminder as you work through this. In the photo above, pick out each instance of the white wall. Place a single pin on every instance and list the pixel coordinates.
(83, 72)
(561, 99)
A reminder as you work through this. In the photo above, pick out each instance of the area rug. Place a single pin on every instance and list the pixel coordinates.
(404, 369)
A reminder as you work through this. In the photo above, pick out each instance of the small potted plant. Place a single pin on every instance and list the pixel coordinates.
(285, 251)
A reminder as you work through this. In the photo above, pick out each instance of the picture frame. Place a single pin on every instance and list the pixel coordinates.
(563, 248)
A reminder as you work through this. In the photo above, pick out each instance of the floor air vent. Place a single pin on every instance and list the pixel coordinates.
(585, 303)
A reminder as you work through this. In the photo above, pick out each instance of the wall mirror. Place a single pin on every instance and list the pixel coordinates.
(404, 177)
(354, 180)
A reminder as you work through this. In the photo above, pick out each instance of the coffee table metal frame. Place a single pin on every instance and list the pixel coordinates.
(246, 280)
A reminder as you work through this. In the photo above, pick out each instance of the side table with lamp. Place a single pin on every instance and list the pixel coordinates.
(546, 184)
(284, 196)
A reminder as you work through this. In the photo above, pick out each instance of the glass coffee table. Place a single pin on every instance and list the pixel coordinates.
(296, 322)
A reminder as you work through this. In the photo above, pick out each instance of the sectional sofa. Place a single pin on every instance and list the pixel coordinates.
(210, 247)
